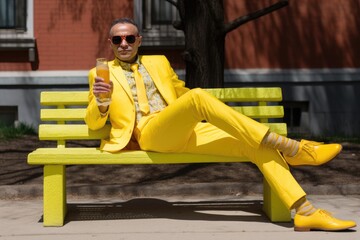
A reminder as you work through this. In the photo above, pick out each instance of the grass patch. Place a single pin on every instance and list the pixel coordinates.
(21, 129)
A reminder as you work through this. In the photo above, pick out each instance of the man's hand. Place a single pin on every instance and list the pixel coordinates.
(102, 91)
(100, 88)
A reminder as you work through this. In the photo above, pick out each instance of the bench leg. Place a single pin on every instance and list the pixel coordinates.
(273, 207)
(54, 195)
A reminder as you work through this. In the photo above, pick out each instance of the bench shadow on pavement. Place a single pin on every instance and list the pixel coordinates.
(152, 208)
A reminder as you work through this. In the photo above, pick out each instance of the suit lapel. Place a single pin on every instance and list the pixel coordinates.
(152, 68)
(118, 75)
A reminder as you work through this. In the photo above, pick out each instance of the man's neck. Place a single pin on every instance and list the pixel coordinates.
(136, 59)
(127, 64)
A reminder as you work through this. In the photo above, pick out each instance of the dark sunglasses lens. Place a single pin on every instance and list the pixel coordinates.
(130, 38)
(116, 40)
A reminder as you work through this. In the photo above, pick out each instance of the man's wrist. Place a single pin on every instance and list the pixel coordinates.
(103, 114)
(103, 110)
(104, 102)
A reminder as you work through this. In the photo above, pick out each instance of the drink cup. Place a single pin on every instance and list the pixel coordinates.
(102, 70)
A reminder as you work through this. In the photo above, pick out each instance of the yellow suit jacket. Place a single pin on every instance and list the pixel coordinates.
(122, 108)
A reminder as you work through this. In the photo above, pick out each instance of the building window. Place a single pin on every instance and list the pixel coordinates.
(296, 116)
(13, 14)
(17, 29)
(155, 18)
(159, 12)
(16, 20)
(8, 115)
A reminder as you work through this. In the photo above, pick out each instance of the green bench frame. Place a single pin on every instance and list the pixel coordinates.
(64, 113)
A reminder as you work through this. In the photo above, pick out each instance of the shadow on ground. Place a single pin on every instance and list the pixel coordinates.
(152, 208)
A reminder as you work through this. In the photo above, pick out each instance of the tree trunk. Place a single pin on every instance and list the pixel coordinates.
(204, 43)
(203, 24)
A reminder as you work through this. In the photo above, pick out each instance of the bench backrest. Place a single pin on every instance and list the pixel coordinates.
(65, 111)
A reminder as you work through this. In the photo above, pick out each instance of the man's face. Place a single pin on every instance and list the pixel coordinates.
(124, 50)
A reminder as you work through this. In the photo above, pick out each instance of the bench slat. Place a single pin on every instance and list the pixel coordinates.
(261, 111)
(68, 156)
(82, 132)
(70, 114)
(226, 95)
(71, 132)
(279, 128)
(55, 98)
(78, 114)
(247, 94)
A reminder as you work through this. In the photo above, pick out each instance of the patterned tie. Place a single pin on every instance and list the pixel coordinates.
(140, 89)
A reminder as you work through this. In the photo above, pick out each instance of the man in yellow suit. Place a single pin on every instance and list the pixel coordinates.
(150, 109)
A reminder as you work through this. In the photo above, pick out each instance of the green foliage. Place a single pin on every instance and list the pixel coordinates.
(21, 129)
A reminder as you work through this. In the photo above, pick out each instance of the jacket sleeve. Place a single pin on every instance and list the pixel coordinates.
(93, 118)
(178, 84)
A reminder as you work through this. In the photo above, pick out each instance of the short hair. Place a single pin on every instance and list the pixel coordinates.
(123, 20)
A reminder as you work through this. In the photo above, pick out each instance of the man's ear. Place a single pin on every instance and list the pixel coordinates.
(140, 40)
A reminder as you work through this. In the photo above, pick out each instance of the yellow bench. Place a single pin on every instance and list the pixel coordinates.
(65, 112)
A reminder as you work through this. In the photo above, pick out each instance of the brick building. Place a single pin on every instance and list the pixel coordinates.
(309, 48)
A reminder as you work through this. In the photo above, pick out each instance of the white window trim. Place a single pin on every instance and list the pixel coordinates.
(19, 34)
(138, 13)
(156, 37)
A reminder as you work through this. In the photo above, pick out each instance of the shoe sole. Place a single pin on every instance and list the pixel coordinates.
(306, 229)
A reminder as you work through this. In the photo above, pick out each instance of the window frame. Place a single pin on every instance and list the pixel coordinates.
(21, 39)
(155, 34)
(18, 14)
(27, 32)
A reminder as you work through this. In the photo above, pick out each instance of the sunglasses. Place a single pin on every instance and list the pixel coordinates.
(129, 39)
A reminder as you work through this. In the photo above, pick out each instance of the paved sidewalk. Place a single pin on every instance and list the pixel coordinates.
(168, 218)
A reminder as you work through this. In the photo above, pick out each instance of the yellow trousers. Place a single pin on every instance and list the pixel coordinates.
(180, 128)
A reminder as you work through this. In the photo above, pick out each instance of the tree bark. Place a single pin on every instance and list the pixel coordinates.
(204, 42)
(203, 24)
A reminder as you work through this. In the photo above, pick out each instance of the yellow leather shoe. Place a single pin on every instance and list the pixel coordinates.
(314, 153)
(321, 220)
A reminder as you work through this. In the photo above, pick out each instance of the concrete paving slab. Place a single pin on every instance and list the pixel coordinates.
(168, 218)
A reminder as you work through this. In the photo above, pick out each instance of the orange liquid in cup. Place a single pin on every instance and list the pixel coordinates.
(103, 72)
